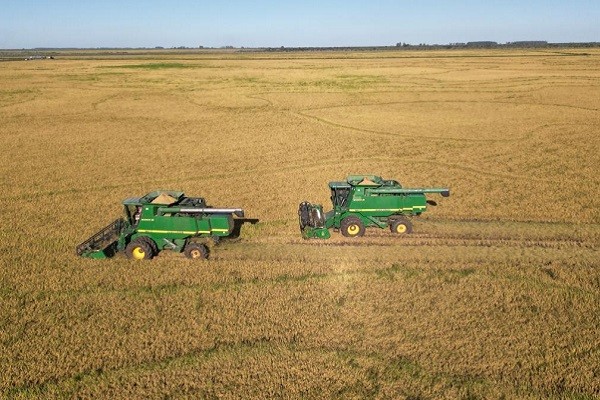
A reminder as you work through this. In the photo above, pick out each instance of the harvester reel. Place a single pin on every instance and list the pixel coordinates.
(304, 214)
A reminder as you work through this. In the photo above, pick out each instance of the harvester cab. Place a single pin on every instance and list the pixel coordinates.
(161, 220)
(365, 201)
(340, 191)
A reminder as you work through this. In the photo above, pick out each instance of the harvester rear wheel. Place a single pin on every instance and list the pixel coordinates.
(401, 226)
(352, 227)
(139, 249)
(196, 251)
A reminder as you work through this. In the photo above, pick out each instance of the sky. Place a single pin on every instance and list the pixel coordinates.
(302, 23)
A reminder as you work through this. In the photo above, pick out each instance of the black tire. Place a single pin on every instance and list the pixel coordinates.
(401, 226)
(196, 251)
(151, 243)
(139, 249)
(352, 227)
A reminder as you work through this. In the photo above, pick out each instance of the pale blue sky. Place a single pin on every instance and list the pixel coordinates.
(269, 23)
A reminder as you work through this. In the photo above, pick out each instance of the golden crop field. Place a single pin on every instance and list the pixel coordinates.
(495, 295)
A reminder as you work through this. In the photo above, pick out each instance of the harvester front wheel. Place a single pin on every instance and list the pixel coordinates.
(151, 243)
(196, 251)
(352, 227)
(401, 226)
(139, 249)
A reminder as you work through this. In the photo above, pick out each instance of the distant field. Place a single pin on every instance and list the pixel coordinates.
(495, 295)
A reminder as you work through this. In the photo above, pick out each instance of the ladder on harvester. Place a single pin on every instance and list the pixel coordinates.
(101, 241)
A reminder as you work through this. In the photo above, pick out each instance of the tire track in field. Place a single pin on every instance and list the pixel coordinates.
(267, 104)
(514, 86)
(453, 101)
(528, 135)
(219, 348)
(460, 241)
(461, 167)
(238, 252)
(34, 94)
(472, 169)
(382, 238)
(273, 170)
(404, 135)
(270, 103)
(304, 113)
(93, 107)
(102, 100)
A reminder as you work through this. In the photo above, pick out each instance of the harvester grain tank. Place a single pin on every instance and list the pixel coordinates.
(162, 220)
(365, 201)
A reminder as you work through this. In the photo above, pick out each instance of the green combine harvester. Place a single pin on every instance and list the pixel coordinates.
(162, 220)
(365, 201)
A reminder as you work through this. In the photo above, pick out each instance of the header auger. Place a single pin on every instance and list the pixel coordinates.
(365, 201)
(162, 220)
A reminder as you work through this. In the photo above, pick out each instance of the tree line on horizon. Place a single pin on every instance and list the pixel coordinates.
(397, 46)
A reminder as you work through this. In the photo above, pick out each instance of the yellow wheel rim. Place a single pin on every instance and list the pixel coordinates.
(353, 229)
(138, 253)
(195, 253)
(401, 228)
